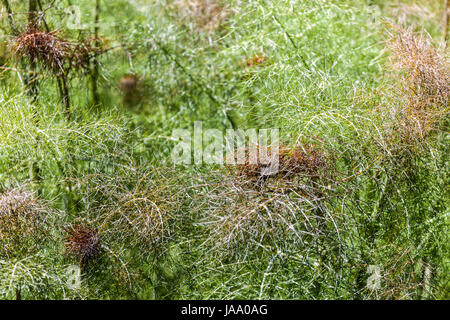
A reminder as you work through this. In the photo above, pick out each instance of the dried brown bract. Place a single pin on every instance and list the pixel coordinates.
(83, 242)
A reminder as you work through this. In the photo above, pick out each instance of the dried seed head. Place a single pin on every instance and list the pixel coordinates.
(44, 47)
(83, 242)
(55, 53)
(307, 160)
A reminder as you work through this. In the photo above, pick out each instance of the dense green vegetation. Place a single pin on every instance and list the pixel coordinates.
(91, 91)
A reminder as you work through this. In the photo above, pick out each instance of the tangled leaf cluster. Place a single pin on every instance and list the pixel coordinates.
(424, 77)
(22, 221)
